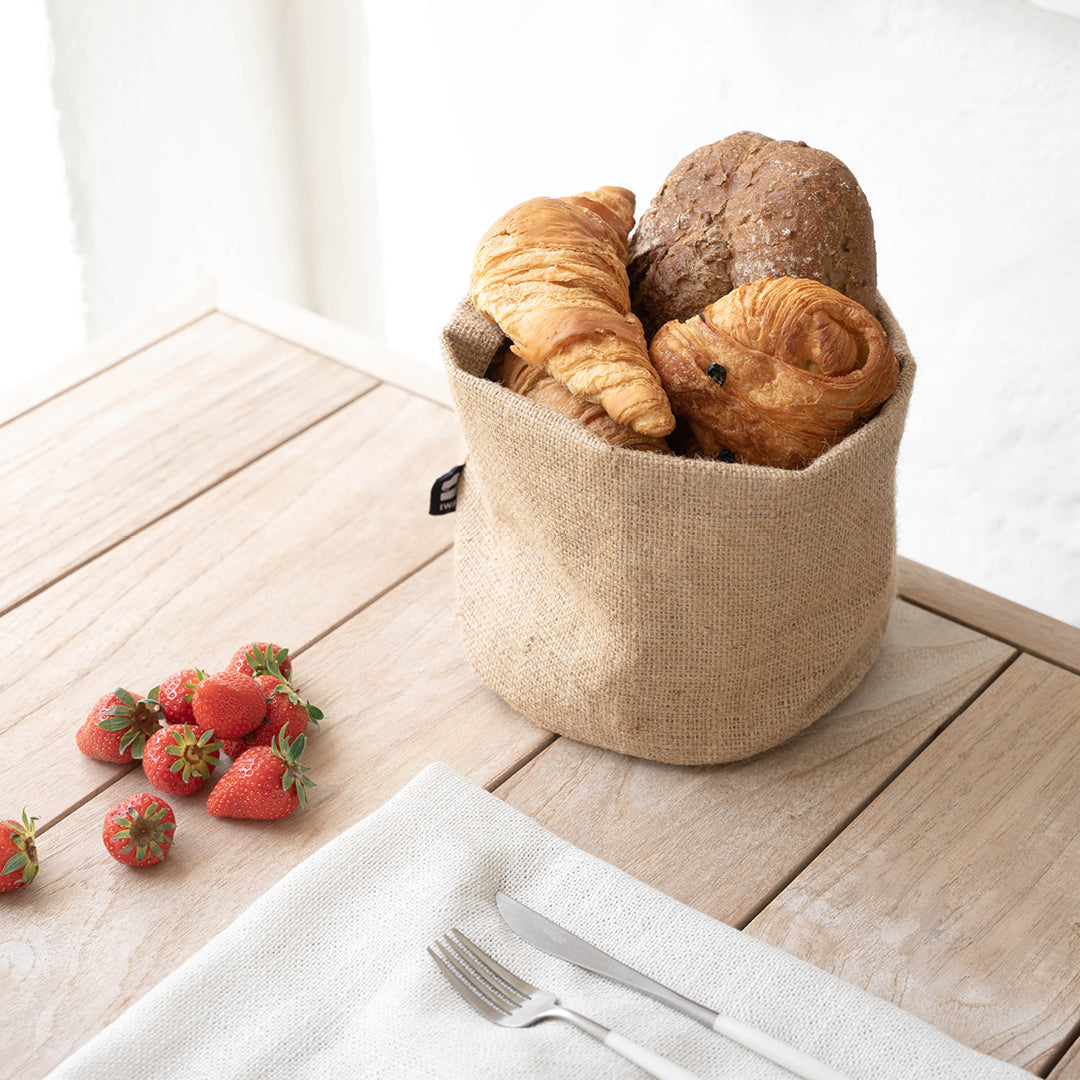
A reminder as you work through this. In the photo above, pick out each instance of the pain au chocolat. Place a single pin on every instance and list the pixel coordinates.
(774, 373)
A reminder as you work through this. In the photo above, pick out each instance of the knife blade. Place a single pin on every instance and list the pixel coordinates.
(549, 937)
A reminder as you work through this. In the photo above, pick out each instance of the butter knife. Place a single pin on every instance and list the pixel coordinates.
(551, 938)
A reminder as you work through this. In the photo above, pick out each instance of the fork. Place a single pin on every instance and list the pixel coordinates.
(505, 999)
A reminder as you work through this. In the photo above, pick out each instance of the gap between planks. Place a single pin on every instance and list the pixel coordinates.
(180, 504)
(1069, 1043)
(886, 783)
(126, 353)
(336, 625)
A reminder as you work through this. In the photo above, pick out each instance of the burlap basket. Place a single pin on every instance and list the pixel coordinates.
(685, 611)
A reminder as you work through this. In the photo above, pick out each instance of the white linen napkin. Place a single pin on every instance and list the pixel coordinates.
(342, 985)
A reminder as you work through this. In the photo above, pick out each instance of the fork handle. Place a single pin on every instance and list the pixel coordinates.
(644, 1058)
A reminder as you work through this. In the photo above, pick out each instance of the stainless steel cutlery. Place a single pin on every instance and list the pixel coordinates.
(551, 938)
(508, 1000)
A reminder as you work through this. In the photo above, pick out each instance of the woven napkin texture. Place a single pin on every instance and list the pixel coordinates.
(685, 611)
(327, 975)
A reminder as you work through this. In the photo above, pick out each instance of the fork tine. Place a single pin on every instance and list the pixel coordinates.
(481, 978)
(482, 958)
(465, 989)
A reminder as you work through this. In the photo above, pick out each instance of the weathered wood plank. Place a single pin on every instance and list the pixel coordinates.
(955, 893)
(125, 341)
(102, 460)
(1038, 634)
(397, 694)
(342, 343)
(281, 550)
(724, 839)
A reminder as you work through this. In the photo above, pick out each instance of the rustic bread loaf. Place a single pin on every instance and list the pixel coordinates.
(745, 208)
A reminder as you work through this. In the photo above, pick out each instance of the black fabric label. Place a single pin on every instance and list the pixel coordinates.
(444, 492)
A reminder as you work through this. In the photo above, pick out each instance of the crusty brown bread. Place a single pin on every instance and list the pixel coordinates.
(551, 273)
(745, 208)
(774, 372)
(535, 383)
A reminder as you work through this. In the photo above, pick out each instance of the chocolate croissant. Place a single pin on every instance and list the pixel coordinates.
(775, 372)
(551, 273)
(535, 383)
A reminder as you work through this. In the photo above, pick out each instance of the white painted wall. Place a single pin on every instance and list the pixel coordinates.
(207, 138)
(236, 137)
(41, 308)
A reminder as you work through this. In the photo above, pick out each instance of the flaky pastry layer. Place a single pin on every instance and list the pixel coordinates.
(551, 273)
(775, 372)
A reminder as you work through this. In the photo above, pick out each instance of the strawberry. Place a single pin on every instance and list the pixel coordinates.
(265, 782)
(230, 702)
(139, 831)
(119, 725)
(235, 747)
(175, 696)
(179, 758)
(284, 711)
(262, 658)
(283, 708)
(18, 854)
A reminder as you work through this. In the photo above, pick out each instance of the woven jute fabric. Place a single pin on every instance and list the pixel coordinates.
(680, 610)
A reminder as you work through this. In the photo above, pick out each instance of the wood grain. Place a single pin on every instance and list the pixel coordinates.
(1038, 634)
(954, 894)
(282, 550)
(752, 825)
(398, 695)
(85, 470)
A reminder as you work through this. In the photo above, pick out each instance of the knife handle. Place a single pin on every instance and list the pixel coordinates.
(801, 1064)
(655, 1065)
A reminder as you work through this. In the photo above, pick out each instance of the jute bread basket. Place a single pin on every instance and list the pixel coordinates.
(675, 609)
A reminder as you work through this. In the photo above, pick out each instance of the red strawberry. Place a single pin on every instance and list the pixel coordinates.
(139, 831)
(283, 711)
(118, 726)
(230, 702)
(179, 758)
(265, 782)
(175, 696)
(262, 658)
(18, 854)
(235, 747)
(284, 708)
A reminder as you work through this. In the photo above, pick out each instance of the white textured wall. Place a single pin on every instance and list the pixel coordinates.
(961, 119)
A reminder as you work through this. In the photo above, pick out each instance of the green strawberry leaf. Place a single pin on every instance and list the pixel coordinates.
(16, 862)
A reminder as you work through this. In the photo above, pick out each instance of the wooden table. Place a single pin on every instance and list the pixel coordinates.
(238, 469)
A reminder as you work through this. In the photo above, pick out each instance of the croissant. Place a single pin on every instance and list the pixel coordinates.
(775, 372)
(551, 273)
(535, 383)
